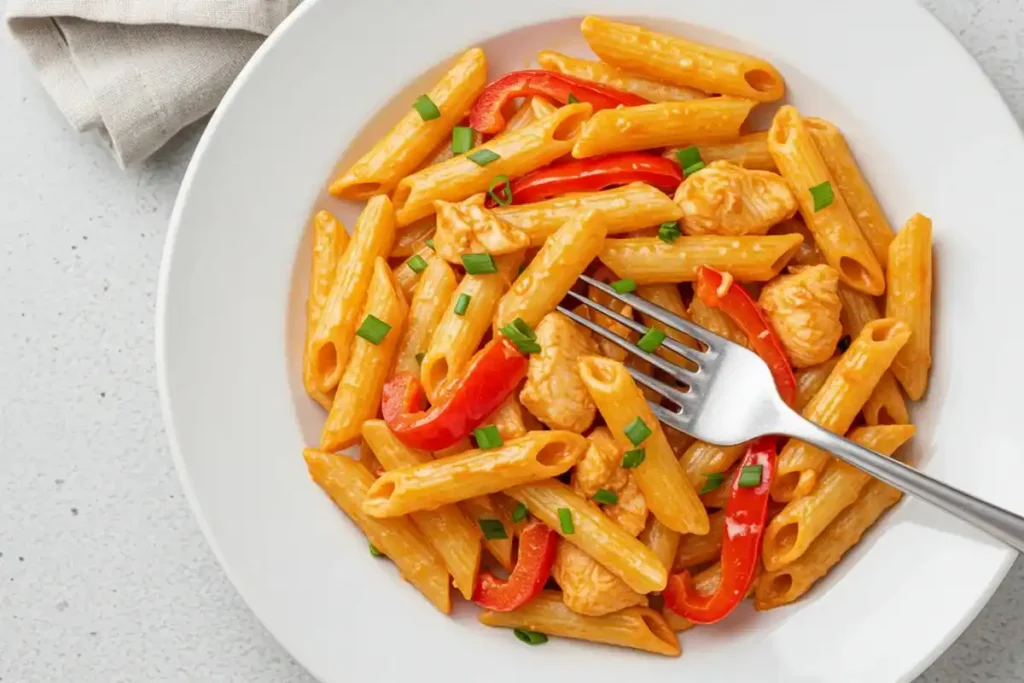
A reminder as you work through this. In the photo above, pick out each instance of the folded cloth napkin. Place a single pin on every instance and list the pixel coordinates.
(140, 70)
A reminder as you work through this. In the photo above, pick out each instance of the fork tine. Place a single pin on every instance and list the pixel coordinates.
(680, 398)
(660, 314)
(670, 417)
(655, 360)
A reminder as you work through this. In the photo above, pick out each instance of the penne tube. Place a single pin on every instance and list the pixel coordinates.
(553, 271)
(593, 533)
(534, 109)
(670, 496)
(909, 298)
(809, 254)
(512, 154)
(359, 391)
(809, 381)
(447, 529)
(662, 541)
(853, 187)
(858, 310)
(785, 585)
(330, 344)
(663, 124)
(368, 460)
(430, 300)
(457, 336)
(696, 550)
(792, 531)
(749, 151)
(836, 232)
(412, 140)
(329, 242)
(623, 209)
(669, 59)
(605, 74)
(669, 298)
(409, 241)
(649, 261)
(607, 348)
(640, 628)
(536, 456)
(485, 509)
(838, 402)
(346, 482)
(406, 276)
(716, 321)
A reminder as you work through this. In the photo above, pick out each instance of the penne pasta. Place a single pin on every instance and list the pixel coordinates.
(358, 395)
(716, 321)
(640, 628)
(329, 242)
(833, 226)
(649, 260)
(409, 241)
(407, 274)
(368, 460)
(533, 109)
(346, 482)
(749, 151)
(510, 154)
(670, 59)
(605, 74)
(536, 456)
(413, 139)
(663, 124)
(696, 550)
(484, 509)
(669, 298)
(662, 541)
(909, 298)
(430, 300)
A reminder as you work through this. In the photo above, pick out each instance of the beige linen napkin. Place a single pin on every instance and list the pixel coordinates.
(140, 70)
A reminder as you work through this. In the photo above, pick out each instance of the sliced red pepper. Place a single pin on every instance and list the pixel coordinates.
(537, 545)
(598, 173)
(491, 376)
(487, 117)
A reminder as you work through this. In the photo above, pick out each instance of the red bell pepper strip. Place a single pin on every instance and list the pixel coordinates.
(598, 173)
(487, 117)
(491, 376)
(537, 545)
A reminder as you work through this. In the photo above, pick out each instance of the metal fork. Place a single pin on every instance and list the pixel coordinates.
(732, 399)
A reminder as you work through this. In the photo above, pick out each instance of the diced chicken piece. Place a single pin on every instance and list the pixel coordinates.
(469, 228)
(804, 309)
(554, 392)
(725, 199)
(601, 468)
(587, 587)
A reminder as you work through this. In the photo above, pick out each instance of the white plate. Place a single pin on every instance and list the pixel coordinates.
(932, 135)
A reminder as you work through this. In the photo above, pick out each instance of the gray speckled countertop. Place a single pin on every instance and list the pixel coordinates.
(104, 575)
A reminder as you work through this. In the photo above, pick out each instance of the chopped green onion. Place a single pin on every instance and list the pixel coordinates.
(690, 170)
(669, 232)
(482, 157)
(479, 264)
(844, 343)
(522, 335)
(822, 195)
(498, 180)
(375, 552)
(427, 109)
(493, 529)
(417, 263)
(530, 637)
(689, 156)
(522, 267)
(624, 286)
(430, 243)
(462, 139)
(636, 431)
(750, 476)
(651, 340)
(633, 458)
(711, 482)
(572, 99)
(606, 497)
(373, 329)
(487, 437)
(519, 513)
(565, 520)
(462, 304)
(419, 357)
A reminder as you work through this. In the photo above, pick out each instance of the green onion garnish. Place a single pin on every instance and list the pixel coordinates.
(430, 243)
(427, 109)
(750, 476)
(479, 264)
(462, 139)
(651, 340)
(636, 431)
(689, 156)
(530, 637)
(373, 329)
(499, 180)
(417, 263)
(572, 99)
(624, 286)
(822, 195)
(493, 529)
(711, 482)
(606, 497)
(844, 343)
(487, 437)
(482, 157)
(633, 458)
(519, 513)
(462, 304)
(690, 170)
(565, 520)
(669, 232)
(522, 335)
(419, 357)
(522, 267)
(375, 552)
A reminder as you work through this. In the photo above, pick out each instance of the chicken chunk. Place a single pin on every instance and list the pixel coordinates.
(587, 587)
(554, 392)
(804, 309)
(725, 199)
(601, 468)
(469, 228)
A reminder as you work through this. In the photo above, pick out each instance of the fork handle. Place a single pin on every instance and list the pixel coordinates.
(1002, 524)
